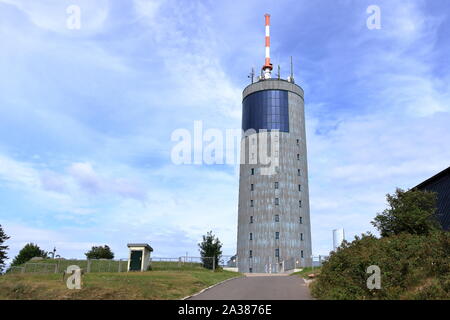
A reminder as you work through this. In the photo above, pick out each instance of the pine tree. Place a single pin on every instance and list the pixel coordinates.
(3, 249)
(210, 247)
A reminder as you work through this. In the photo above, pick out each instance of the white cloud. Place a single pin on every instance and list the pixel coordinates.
(191, 54)
(363, 158)
(91, 182)
(67, 194)
(15, 173)
(172, 205)
(394, 134)
(148, 9)
(51, 15)
(52, 181)
(86, 177)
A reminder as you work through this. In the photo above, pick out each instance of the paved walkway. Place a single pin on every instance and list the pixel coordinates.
(258, 287)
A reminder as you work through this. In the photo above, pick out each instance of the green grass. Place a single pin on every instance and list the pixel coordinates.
(151, 285)
(169, 265)
(306, 271)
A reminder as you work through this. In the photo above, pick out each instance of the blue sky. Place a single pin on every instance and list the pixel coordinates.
(86, 116)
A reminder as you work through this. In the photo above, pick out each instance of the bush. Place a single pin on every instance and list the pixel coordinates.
(410, 211)
(29, 251)
(412, 267)
(100, 252)
(413, 255)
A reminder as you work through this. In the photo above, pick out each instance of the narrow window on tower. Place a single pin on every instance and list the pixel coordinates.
(251, 219)
(299, 187)
(298, 172)
(300, 220)
(277, 218)
(250, 270)
(300, 203)
(276, 185)
(251, 203)
(251, 236)
(298, 156)
(277, 235)
(298, 142)
(301, 236)
(252, 171)
(301, 254)
(277, 253)
(250, 254)
(252, 187)
(277, 201)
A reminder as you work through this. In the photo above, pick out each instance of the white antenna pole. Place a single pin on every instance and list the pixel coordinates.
(267, 68)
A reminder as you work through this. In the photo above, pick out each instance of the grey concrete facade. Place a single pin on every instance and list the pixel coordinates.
(260, 215)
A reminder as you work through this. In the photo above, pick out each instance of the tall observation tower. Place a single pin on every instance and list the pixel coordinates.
(274, 231)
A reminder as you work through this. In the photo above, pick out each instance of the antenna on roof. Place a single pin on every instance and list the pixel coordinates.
(291, 77)
(252, 74)
(267, 68)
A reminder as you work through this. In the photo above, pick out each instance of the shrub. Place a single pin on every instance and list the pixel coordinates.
(100, 252)
(30, 250)
(410, 211)
(412, 266)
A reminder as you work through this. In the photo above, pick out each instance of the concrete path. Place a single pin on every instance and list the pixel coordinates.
(258, 287)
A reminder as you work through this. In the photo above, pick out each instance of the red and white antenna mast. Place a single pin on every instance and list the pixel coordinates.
(267, 68)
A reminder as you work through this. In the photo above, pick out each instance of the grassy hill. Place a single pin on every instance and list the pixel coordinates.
(153, 285)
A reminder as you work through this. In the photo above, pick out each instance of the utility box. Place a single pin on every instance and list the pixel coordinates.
(139, 257)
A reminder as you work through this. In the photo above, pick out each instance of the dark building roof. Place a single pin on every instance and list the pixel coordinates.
(440, 183)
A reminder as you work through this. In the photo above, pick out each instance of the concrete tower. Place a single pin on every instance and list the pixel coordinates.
(274, 232)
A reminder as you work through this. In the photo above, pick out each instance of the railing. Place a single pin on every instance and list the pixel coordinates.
(60, 266)
(184, 263)
(121, 265)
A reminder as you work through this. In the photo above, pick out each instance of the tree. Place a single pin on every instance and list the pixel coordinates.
(100, 252)
(410, 212)
(30, 250)
(3, 257)
(210, 247)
